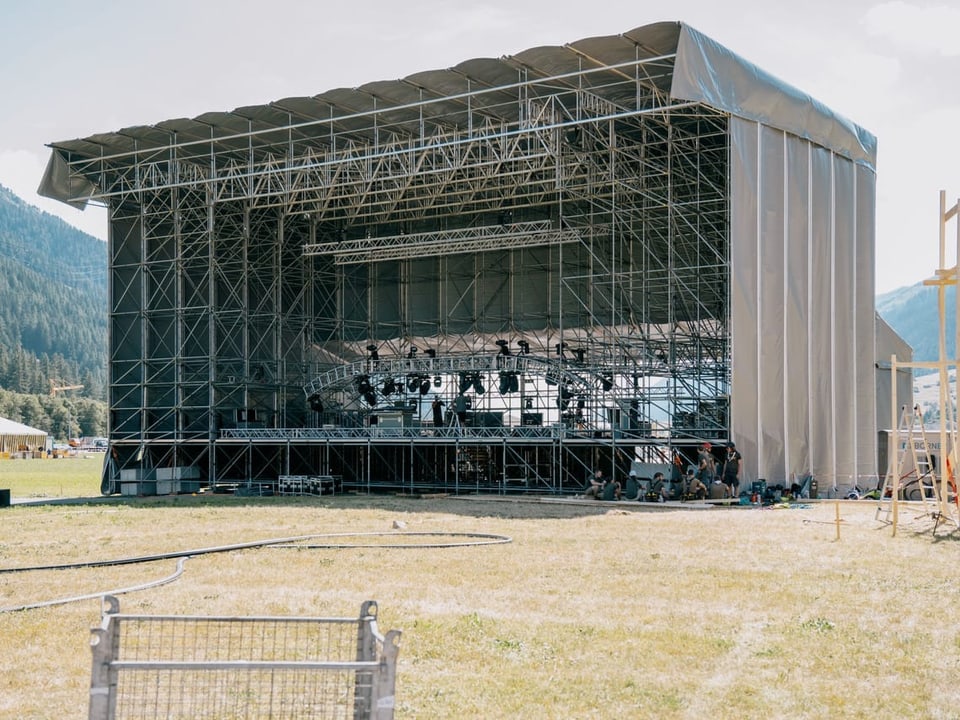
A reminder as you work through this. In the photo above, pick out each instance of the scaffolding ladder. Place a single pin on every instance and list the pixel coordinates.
(917, 483)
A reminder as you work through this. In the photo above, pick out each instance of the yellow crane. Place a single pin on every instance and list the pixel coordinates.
(60, 387)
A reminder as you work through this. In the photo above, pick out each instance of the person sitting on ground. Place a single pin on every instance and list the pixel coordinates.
(719, 490)
(596, 485)
(694, 488)
(632, 490)
(660, 490)
(611, 490)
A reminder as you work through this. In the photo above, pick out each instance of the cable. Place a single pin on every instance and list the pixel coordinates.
(91, 596)
(296, 542)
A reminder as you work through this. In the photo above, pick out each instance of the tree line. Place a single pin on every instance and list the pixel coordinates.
(62, 416)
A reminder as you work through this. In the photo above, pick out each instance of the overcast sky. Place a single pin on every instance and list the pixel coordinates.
(72, 69)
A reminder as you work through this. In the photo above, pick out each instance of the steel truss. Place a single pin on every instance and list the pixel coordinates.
(553, 247)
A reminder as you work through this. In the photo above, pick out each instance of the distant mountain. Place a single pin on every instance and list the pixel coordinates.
(53, 302)
(912, 311)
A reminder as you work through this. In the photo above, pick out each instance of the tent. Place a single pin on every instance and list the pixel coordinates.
(16, 437)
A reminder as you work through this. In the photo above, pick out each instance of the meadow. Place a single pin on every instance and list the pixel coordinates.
(591, 611)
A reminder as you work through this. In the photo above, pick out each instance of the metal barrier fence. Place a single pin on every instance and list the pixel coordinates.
(147, 667)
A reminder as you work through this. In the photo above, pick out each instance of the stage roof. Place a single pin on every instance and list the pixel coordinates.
(676, 63)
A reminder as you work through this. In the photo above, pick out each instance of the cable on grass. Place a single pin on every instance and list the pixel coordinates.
(297, 542)
(92, 596)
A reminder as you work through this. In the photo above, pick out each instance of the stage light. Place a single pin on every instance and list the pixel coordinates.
(425, 386)
(412, 353)
(316, 404)
(372, 349)
(524, 347)
(560, 347)
(607, 382)
(478, 384)
(430, 352)
(413, 383)
(465, 382)
(363, 383)
(509, 382)
(437, 381)
(580, 353)
(371, 397)
(389, 386)
(528, 403)
(502, 344)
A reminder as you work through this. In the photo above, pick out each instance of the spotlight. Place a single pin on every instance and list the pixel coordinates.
(560, 347)
(363, 384)
(316, 404)
(607, 382)
(524, 347)
(372, 349)
(413, 383)
(430, 353)
(509, 382)
(371, 397)
(425, 386)
(563, 399)
(528, 403)
(580, 353)
(437, 381)
(389, 386)
(502, 344)
(412, 352)
(478, 384)
(465, 382)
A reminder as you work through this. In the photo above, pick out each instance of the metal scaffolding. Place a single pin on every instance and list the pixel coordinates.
(292, 285)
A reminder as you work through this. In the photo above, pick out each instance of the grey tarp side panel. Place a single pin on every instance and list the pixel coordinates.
(57, 183)
(866, 329)
(889, 343)
(799, 244)
(770, 303)
(707, 72)
(796, 350)
(822, 444)
(744, 251)
(844, 327)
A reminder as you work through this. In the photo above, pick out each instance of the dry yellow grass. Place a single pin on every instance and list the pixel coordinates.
(591, 612)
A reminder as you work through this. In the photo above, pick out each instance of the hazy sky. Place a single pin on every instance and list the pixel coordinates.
(72, 69)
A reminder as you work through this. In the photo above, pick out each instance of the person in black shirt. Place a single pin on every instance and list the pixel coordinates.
(731, 468)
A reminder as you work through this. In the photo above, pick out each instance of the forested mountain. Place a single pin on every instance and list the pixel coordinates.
(912, 312)
(53, 314)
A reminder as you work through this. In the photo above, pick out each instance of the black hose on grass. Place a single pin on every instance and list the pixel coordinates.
(296, 542)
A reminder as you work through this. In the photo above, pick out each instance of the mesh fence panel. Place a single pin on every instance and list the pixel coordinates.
(182, 667)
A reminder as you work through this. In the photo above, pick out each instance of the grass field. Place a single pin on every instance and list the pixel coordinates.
(592, 611)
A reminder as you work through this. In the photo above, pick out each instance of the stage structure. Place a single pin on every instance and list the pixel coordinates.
(591, 255)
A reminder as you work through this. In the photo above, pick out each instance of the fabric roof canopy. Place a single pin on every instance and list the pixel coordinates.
(683, 64)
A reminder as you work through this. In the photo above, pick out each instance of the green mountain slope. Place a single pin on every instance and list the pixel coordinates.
(912, 312)
(53, 302)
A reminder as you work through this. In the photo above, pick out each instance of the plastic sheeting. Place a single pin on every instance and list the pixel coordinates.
(707, 72)
(801, 310)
